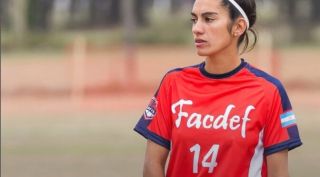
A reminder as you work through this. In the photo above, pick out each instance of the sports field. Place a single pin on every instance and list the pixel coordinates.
(47, 133)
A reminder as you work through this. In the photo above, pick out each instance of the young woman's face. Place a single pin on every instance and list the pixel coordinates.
(210, 27)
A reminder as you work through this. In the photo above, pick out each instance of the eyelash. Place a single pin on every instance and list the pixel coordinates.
(193, 20)
(207, 19)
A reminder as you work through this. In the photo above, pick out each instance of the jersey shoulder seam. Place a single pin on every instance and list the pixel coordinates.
(182, 68)
(267, 77)
(286, 105)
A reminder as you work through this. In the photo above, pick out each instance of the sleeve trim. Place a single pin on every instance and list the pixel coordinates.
(290, 144)
(153, 137)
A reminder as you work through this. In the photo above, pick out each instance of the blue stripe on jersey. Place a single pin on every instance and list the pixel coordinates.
(180, 69)
(142, 130)
(293, 132)
(292, 143)
(175, 70)
(289, 144)
(286, 105)
(142, 125)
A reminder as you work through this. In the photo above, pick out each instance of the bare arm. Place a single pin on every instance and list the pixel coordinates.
(278, 164)
(155, 160)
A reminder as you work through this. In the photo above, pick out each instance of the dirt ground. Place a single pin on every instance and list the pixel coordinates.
(50, 129)
(106, 82)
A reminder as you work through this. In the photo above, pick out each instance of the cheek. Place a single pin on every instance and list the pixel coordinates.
(217, 36)
(218, 32)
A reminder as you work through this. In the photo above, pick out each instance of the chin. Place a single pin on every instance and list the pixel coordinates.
(203, 53)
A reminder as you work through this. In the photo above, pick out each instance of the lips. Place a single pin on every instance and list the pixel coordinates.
(200, 42)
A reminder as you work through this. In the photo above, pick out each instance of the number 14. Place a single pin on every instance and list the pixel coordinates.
(213, 152)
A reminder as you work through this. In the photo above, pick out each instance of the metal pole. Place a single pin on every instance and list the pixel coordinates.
(79, 55)
(129, 23)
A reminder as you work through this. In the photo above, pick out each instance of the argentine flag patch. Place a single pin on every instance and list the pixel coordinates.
(287, 119)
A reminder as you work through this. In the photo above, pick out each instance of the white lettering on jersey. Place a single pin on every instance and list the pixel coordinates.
(205, 121)
(181, 114)
(245, 119)
(221, 121)
(194, 120)
(209, 121)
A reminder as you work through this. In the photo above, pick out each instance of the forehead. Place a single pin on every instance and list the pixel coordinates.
(202, 6)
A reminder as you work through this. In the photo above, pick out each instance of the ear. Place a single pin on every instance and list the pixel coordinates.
(239, 27)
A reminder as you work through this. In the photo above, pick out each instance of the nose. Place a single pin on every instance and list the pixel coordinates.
(197, 28)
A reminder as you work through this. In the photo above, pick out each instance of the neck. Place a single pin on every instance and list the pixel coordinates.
(222, 62)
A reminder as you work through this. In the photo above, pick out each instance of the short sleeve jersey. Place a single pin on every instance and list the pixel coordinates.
(220, 125)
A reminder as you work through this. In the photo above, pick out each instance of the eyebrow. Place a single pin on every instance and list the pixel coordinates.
(205, 14)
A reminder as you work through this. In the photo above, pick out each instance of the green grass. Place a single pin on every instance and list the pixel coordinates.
(98, 145)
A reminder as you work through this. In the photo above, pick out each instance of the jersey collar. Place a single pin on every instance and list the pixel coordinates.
(224, 75)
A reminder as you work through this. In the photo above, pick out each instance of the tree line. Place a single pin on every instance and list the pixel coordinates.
(37, 15)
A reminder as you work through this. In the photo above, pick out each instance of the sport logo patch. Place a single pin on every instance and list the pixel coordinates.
(151, 109)
(287, 119)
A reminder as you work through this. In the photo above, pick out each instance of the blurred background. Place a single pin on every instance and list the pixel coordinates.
(77, 74)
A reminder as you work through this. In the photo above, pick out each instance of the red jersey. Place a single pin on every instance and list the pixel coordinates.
(220, 125)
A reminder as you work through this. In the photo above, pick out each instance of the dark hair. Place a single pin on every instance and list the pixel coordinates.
(249, 7)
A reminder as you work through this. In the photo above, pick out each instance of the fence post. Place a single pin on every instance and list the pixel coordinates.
(79, 55)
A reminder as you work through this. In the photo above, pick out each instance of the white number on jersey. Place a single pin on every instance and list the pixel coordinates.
(207, 161)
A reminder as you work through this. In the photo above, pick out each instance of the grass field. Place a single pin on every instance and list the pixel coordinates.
(51, 136)
(64, 146)
(104, 145)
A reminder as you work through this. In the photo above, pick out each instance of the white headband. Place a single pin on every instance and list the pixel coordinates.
(236, 5)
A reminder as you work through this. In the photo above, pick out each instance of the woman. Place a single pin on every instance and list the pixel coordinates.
(223, 117)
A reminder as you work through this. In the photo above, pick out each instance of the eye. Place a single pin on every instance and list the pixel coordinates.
(193, 20)
(208, 19)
